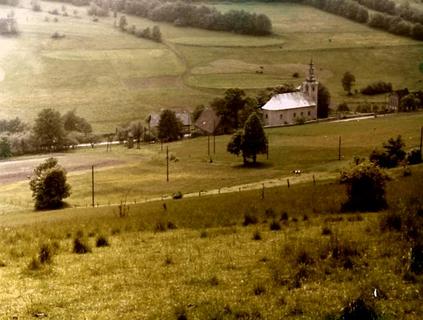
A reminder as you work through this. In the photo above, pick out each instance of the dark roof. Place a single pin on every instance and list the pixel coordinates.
(208, 120)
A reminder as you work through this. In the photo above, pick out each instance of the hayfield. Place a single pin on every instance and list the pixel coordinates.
(111, 77)
(195, 258)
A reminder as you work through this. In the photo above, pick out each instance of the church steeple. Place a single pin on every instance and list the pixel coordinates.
(311, 76)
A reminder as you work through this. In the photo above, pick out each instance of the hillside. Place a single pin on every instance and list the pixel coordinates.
(111, 78)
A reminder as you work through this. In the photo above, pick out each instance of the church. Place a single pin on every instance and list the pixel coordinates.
(293, 107)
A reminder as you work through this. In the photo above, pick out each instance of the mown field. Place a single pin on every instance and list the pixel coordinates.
(195, 259)
(134, 175)
(111, 77)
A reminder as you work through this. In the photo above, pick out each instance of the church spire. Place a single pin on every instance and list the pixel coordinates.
(311, 76)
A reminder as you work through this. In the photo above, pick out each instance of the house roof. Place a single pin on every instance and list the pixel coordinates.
(290, 100)
(208, 120)
(183, 116)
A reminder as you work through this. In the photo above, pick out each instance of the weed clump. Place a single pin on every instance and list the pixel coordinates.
(259, 289)
(204, 234)
(249, 218)
(45, 254)
(80, 246)
(214, 281)
(256, 235)
(359, 309)
(284, 216)
(160, 226)
(326, 231)
(171, 225)
(102, 241)
(391, 222)
(275, 226)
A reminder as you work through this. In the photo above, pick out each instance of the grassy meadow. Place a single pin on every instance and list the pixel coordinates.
(196, 259)
(111, 77)
(135, 174)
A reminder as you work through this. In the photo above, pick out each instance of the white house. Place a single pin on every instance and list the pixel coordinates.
(291, 107)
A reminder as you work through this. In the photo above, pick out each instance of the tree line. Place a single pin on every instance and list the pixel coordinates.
(51, 131)
(185, 14)
(398, 19)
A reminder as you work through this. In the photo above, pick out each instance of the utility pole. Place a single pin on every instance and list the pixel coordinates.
(167, 163)
(208, 145)
(421, 139)
(92, 185)
(339, 148)
(214, 136)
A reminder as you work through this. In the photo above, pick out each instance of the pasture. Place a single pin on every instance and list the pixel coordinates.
(136, 175)
(195, 258)
(112, 77)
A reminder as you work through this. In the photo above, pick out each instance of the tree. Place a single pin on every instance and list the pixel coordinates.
(72, 122)
(323, 101)
(156, 34)
(48, 130)
(5, 150)
(394, 153)
(170, 127)
(409, 103)
(48, 185)
(122, 23)
(250, 141)
(229, 107)
(254, 139)
(136, 129)
(365, 187)
(343, 107)
(348, 81)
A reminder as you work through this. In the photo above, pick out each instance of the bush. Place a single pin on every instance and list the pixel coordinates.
(249, 218)
(365, 187)
(377, 88)
(391, 222)
(256, 235)
(359, 309)
(45, 254)
(80, 246)
(48, 185)
(414, 156)
(416, 263)
(102, 242)
(275, 226)
(394, 153)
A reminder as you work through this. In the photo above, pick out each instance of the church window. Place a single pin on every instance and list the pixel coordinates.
(295, 114)
(301, 113)
(308, 113)
(281, 116)
(267, 116)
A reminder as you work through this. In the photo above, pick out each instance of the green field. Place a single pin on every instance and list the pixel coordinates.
(210, 267)
(135, 175)
(111, 77)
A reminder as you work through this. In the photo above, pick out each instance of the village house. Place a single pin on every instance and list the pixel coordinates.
(208, 122)
(293, 107)
(183, 116)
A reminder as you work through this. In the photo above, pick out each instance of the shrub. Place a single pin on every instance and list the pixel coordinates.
(393, 154)
(80, 246)
(204, 234)
(359, 309)
(391, 222)
(48, 185)
(249, 218)
(416, 257)
(160, 226)
(214, 281)
(34, 264)
(275, 226)
(377, 88)
(259, 289)
(365, 187)
(284, 216)
(414, 156)
(102, 241)
(171, 225)
(326, 231)
(45, 254)
(256, 235)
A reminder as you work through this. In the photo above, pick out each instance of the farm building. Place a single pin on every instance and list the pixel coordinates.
(293, 107)
(183, 116)
(208, 121)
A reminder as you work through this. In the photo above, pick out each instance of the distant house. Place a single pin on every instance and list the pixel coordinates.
(208, 121)
(291, 107)
(184, 116)
(394, 99)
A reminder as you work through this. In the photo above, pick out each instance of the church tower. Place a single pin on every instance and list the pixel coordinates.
(310, 86)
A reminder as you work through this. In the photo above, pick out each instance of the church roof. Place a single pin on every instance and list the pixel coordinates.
(290, 100)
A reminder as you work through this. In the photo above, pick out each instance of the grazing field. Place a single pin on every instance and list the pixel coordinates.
(112, 77)
(139, 174)
(199, 258)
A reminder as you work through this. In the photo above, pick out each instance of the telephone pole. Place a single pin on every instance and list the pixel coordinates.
(92, 185)
(167, 163)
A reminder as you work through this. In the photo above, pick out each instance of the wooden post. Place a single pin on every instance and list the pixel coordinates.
(287, 180)
(421, 139)
(167, 163)
(339, 148)
(92, 185)
(314, 180)
(262, 192)
(208, 145)
(214, 136)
